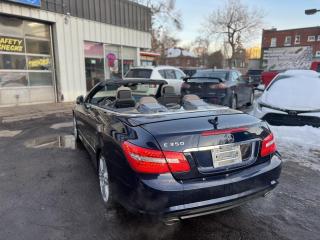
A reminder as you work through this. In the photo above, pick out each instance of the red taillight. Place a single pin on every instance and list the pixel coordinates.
(150, 161)
(268, 146)
(218, 86)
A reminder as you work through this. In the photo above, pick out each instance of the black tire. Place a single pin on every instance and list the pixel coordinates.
(104, 183)
(251, 99)
(75, 130)
(234, 102)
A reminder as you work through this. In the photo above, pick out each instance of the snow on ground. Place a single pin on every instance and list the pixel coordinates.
(299, 144)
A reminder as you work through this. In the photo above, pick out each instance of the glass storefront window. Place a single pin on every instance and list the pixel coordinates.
(119, 60)
(106, 61)
(40, 79)
(13, 79)
(34, 29)
(10, 62)
(38, 46)
(113, 62)
(94, 63)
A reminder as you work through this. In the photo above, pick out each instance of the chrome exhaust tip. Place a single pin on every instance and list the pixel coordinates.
(171, 221)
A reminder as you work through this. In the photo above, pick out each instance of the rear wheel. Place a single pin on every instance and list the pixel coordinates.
(251, 99)
(75, 130)
(104, 182)
(234, 102)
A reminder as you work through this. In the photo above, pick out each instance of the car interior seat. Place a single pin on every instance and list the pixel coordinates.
(168, 96)
(192, 102)
(150, 105)
(124, 98)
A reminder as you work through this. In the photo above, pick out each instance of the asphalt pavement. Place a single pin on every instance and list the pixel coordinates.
(49, 190)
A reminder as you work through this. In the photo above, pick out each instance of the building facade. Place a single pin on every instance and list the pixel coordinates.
(55, 50)
(292, 48)
(305, 37)
(179, 57)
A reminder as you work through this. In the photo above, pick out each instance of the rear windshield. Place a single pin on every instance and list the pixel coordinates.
(212, 74)
(139, 73)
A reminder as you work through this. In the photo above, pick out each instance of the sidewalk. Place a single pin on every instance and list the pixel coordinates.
(28, 112)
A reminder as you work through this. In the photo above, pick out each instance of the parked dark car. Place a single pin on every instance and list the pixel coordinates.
(173, 158)
(223, 87)
(254, 76)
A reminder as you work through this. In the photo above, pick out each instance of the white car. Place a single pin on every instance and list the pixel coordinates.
(292, 98)
(172, 75)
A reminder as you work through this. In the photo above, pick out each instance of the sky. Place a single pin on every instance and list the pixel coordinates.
(281, 14)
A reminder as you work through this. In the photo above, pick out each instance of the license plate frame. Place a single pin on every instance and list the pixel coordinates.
(225, 156)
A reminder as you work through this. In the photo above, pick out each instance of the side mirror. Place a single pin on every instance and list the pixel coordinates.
(80, 100)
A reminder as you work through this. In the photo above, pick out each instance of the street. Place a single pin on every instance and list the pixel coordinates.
(49, 190)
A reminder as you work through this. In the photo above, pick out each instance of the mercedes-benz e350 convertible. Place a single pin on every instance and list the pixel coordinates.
(170, 157)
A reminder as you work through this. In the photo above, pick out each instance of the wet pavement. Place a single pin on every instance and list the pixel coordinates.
(49, 190)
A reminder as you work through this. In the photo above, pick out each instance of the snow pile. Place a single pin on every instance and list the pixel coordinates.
(299, 144)
(309, 73)
(173, 52)
(294, 93)
(188, 54)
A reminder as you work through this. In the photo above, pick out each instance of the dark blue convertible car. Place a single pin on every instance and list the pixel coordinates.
(171, 157)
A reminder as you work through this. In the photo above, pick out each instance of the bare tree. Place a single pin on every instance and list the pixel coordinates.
(215, 60)
(201, 49)
(235, 23)
(164, 14)
(166, 19)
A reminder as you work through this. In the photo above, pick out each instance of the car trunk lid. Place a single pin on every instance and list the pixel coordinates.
(204, 138)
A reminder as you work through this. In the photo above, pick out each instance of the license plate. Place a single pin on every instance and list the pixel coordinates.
(228, 155)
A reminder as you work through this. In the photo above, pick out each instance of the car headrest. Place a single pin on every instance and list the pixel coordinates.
(150, 105)
(190, 98)
(124, 93)
(147, 100)
(166, 89)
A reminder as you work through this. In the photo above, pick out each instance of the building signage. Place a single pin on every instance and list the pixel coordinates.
(284, 58)
(34, 3)
(42, 63)
(11, 44)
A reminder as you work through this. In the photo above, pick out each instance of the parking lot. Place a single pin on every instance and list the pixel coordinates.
(49, 190)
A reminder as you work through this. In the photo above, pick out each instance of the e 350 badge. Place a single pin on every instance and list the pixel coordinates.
(173, 144)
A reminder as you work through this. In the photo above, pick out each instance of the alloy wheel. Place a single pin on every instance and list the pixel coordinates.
(104, 179)
(75, 130)
(234, 103)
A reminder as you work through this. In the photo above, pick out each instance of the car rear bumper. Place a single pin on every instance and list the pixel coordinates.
(169, 198)
(220, 204)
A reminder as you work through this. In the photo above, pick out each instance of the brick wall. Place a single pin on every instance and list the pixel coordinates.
(182, 61)
(281, 35)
